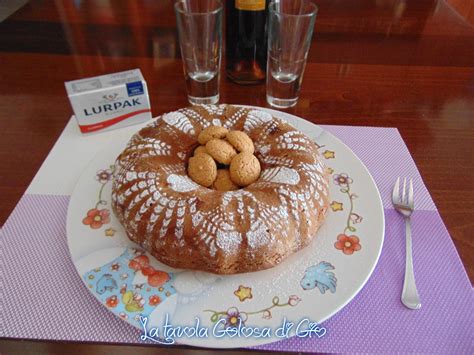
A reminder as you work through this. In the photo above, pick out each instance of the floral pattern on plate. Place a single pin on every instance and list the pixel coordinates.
(233, 316)
(347, 242)
(97, 217)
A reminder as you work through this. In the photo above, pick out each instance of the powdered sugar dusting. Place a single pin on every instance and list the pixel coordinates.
(181, 183)
(179, 121)
(256, 118)
(228, 241)
(162, 195)
(281, 175)
(258, 236)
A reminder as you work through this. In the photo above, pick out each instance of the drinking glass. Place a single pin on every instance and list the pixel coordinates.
(200, 38)
(290, 28)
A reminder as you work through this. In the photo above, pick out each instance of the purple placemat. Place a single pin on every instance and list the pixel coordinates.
(42, 297)
(386, 156)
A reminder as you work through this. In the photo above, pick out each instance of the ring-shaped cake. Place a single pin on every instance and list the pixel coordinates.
(188, 226)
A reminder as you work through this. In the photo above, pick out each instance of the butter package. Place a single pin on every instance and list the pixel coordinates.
(109, 101)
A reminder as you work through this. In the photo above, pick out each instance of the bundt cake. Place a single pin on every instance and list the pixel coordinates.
(188, 226)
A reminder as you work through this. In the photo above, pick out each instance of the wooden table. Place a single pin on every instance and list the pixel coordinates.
(388, 63)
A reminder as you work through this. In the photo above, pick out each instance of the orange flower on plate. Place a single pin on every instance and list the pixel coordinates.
(112, 301)
(348, 244)
(96, 218)
(154, 300)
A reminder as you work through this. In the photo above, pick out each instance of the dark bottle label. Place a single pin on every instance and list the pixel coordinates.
(250, 5)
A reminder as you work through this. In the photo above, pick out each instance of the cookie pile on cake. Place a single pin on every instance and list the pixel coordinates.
(224, 160)
(220, 222)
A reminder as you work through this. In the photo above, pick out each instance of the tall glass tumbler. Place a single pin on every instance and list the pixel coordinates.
(200, 38)
(290, 28)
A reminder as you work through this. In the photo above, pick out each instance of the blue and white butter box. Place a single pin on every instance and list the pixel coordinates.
(109, 101)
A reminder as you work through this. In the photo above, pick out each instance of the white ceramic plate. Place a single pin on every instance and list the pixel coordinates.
(314, 283)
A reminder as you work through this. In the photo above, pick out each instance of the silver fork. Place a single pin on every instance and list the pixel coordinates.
(404, 204)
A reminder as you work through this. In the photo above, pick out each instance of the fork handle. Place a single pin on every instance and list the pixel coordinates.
(410, 296)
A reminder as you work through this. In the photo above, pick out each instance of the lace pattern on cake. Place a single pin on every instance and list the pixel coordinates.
(170, 200)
